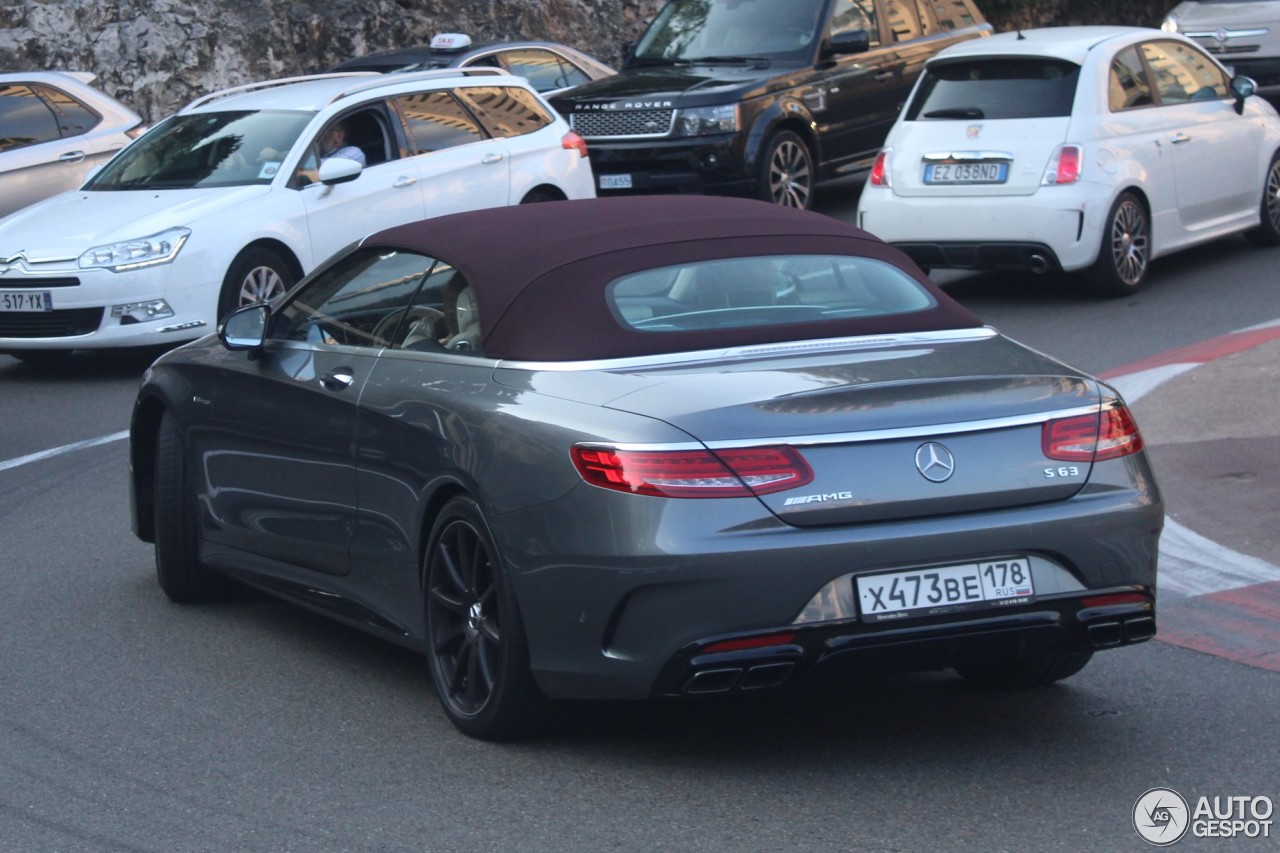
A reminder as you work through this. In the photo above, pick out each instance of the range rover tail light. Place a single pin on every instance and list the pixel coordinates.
(1091, 438)
(739, 472)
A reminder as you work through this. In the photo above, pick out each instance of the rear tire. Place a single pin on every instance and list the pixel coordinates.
(1125, 254)
(786, 172)
(476, 645)
(1268, 231)
(256, 275)
(1031, 671)
(182, 576)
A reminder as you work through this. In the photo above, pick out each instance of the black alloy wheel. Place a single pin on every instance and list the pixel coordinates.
(477, 650)
(1034, 670)
(787, 175)
(256, 275)
(1125, 254)
(1268, 231)
(182, 576)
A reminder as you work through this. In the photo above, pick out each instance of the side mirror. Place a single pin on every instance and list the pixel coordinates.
(245, 328)
(853, 41)
(1242, 87)
(338, 170)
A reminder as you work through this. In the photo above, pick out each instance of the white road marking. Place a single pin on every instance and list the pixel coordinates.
(1133, 386)
(1190, 564)
(66, 448)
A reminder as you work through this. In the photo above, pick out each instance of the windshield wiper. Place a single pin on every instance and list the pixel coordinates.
(756, 61)
(957, 112)
(657, 61)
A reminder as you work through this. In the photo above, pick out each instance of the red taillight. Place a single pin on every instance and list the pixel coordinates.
(740, 472)
(748, 643)
(573, 142)
(1091, 438)
(879, 176)
(1064, 168)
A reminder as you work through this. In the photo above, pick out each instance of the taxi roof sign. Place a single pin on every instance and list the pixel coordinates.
(450, 41)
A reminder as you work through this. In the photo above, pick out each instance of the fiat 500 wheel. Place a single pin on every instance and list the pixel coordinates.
(1125, 253)
(1268, 231)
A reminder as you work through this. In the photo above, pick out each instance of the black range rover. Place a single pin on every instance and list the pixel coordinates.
(760, 98)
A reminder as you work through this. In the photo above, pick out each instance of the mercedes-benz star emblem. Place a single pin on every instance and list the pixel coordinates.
(934, 462)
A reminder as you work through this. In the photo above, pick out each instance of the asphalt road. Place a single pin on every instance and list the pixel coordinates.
(128, 723)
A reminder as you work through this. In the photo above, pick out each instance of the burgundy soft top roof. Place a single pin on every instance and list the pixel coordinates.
(540, 270)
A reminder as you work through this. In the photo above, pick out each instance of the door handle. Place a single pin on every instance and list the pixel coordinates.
(338, 379)
(490, 159)
(1180, 138)
(882, 76)
(404, 181)
(71, 157)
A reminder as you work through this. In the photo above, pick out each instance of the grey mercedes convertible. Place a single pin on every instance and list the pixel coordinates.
(649, 447)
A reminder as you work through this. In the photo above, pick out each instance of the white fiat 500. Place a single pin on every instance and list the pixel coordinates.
(233, 199)
(1092, 149)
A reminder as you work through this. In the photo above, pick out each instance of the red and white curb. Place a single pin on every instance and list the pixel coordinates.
(1223, 603)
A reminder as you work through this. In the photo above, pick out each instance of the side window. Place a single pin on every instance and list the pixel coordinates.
(24, 118)
(359, 301)
(74, 118)
(506, 110)
(541, 68)
(850, 15)
(904, 22)
(1128, 87)
(952, 14)
(435, 120)
(1183, 73)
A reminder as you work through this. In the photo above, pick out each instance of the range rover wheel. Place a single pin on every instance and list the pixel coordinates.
(1125, 253)
(1030, 671)
(787, 174)
(182, 576)
(477, 650)
(256, 275)
(1268, 231)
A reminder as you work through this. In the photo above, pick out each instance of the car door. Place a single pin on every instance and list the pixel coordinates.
(863, 90)
(1214, 149)
(546, 71)
(35, 160)
(515, 116)
(280, 465)
(387, 192)
(458, 165)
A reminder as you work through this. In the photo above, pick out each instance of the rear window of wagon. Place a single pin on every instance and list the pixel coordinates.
(996, 88)
(763, 291)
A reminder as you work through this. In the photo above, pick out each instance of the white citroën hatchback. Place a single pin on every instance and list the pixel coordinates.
(231, 201)
(1090, 149)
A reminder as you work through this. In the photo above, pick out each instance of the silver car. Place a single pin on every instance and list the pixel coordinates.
(649, 447)
(55, 127)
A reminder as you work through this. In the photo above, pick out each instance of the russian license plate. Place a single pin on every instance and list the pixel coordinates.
(966, 173)
(925, 592)
(615, 182)
(26, 300)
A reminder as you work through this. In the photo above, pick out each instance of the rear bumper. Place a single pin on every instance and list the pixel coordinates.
(1060, 224)
(1051, 625)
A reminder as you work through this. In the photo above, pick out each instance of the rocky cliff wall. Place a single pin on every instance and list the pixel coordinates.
(157, 55)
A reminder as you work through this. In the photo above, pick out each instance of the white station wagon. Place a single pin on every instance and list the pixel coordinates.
(1091, 149)
(236, 197)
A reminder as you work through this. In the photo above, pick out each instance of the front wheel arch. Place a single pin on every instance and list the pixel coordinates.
(227, 293)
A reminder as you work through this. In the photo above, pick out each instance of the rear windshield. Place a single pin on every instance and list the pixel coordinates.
(995, 89)
(763, 291)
